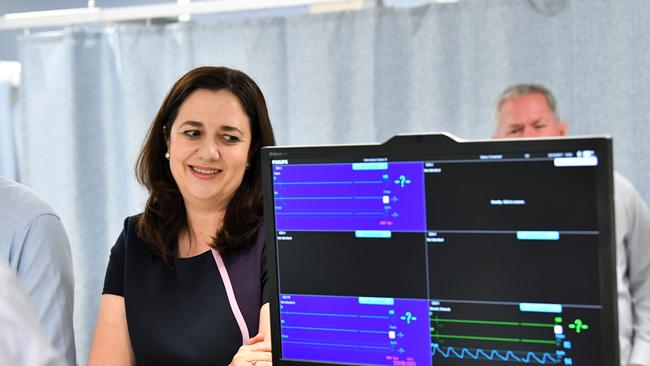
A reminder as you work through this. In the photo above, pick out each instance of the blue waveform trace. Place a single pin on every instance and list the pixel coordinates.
(542, 358)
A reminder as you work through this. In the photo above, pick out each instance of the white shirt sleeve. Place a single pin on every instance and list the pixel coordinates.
(633, 219)
(22, 341)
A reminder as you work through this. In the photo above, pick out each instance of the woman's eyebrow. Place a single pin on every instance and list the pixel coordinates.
(192, 123)
(228, 128)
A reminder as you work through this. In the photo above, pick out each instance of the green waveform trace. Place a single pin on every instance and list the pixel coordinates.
(496, 339)
(492, 322)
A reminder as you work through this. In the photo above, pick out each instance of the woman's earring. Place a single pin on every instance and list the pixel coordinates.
(167, 155)
(248, 165)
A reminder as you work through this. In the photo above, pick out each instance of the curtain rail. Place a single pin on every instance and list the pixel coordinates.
(98, 15)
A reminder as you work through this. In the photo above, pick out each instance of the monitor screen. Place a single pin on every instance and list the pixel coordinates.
(426, 250)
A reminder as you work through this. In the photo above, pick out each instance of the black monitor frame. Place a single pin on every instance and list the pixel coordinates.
(440, 144)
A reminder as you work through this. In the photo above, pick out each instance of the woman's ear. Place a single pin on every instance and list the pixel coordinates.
(166, 136)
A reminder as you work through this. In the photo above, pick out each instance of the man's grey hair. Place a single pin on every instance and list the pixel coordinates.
(518, 90)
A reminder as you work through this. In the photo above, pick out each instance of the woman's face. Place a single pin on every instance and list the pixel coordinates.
(208, 148)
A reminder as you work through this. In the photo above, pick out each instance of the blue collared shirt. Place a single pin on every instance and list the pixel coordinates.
(34, 244)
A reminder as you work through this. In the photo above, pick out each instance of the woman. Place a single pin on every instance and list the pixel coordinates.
(186, 280)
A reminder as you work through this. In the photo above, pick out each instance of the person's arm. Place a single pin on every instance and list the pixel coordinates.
(265, 323)
(637, 240)
(258, 349)
(111, 343)
(45, 273)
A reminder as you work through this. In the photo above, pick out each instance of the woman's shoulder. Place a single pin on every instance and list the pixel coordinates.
(129, 236)
(131, 224)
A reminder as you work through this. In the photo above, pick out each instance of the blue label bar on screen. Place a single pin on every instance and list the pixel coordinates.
(369, 166)
(540, 308)
(376, 301)
(385, 234)
(538, 235)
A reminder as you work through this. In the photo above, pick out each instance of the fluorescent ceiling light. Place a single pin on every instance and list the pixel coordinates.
(60, 18)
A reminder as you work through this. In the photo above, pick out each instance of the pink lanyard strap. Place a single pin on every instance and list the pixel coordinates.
(231, 296)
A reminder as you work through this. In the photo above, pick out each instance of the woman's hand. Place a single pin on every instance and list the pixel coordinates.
(256, 352)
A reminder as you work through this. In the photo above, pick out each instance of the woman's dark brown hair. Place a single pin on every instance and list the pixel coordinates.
(164, 216)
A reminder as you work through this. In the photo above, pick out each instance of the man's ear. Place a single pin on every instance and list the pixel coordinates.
(564, 128)
(497, 132)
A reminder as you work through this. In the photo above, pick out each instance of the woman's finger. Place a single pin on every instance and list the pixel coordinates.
(259, 347)
(258, 338)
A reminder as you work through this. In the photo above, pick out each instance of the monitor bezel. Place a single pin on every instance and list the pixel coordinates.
(444, 143)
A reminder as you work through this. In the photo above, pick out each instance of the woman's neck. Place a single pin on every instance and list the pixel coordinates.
(202, 226)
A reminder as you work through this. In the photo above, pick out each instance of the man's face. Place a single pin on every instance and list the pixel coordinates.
(528, 116)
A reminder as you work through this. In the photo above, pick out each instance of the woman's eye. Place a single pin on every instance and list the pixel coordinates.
(231, 138)
(192, 133)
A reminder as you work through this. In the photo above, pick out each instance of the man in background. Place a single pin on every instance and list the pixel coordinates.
(34, 244)
(529, 110)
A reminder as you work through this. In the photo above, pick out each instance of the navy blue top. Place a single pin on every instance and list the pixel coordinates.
(181, 314)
